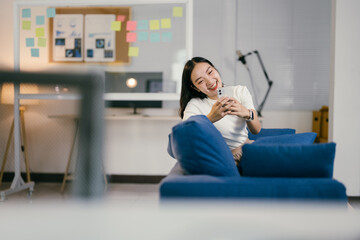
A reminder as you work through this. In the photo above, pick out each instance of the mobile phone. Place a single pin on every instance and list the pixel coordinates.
(225, 91)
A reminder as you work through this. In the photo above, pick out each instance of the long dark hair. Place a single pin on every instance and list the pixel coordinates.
(188, 90)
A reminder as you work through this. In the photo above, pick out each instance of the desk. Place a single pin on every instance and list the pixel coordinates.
(18, 183)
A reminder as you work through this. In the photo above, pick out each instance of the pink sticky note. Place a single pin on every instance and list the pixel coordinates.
(131, 25)
(120, 18)
(131, 37)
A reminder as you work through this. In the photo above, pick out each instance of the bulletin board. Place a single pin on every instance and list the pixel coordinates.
(89, 34)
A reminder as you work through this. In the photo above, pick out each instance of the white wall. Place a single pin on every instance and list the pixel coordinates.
(345, 97)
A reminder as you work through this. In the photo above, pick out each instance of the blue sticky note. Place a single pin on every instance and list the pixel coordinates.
(35, 52)
(142, 36)
(167, 36)
(26, 13)
(50, 12)
(40, 20)
(155, 37)
(30, 42)
(143, 25)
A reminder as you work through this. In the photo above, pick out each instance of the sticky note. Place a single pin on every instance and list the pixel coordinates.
(50, 12)
(133, 51)
(142, 36)
(166, 36)
(39, 32)
(40, 20)
(177, 11)
(42, 42)
(143, 25)
(165, 23)
(155, 37)
(131, 25)
(26, 13)
(30, 42)
(131, 37)
(35, 52)
(120, 18)
(115, 25)
(26, 25)
(154, 25)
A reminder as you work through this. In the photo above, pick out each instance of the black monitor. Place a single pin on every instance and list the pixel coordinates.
(133, 82)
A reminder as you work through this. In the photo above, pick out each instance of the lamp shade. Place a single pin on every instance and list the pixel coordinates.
(7, 93)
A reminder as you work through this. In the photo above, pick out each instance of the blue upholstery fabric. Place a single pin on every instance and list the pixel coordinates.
(267, 132)
(313, 161)
(178, 185)
(298, 138)
(200, 148)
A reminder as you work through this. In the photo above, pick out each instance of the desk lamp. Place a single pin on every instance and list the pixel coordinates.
(7, 97)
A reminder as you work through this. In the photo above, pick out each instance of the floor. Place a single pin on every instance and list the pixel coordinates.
(130, 195)
(134, 212)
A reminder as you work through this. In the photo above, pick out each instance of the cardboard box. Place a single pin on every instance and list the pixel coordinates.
(324, 124)
(316, 124)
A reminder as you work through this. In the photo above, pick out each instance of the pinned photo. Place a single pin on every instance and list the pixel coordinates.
(90, 53)
(69, 53)
(77, 43)
(100, 43)
(59, 41)
(108, 53)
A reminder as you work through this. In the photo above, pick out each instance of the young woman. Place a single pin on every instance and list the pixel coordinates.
(230, 115)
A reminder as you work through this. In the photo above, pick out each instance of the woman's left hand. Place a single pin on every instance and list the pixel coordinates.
(238, 109)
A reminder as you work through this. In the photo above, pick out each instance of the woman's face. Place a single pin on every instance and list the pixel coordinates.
(206, 79)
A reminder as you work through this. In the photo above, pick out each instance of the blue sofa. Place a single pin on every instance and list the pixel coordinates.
(280, 164)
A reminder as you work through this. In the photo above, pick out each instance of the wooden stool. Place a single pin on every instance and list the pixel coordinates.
(23, 146)
(67, 175)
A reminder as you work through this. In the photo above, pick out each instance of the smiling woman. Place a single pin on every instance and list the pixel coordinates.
(232, 116)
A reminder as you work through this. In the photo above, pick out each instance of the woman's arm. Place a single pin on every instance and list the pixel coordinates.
(254, 125)
(239, 110)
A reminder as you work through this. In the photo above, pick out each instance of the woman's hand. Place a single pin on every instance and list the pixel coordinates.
(220, 109)
(238, 109)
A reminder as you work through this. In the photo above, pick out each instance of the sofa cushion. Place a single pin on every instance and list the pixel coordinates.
(315, 160)
(267, 132)
(200, 148)
(298, 138)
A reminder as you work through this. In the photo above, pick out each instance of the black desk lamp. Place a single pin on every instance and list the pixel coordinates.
(243, 60)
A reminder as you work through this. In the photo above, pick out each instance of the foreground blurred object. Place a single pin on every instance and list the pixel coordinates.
(208, 220)
(89, 182)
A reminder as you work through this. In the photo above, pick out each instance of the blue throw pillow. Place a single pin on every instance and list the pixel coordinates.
(299, 138)
(313, 161)
(267, 132)
(200, 148)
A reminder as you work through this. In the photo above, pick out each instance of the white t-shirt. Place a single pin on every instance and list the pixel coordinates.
(232, 128)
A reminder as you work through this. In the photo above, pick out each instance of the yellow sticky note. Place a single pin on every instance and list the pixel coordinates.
(26, 25)
(42, 42)
(133, 51)
(154, 25)
(40, 32)
(115, 25)
(166, 23)
(177, 11)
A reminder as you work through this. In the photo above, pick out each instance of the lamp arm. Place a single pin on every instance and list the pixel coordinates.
(260, 107)
(242, 59)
